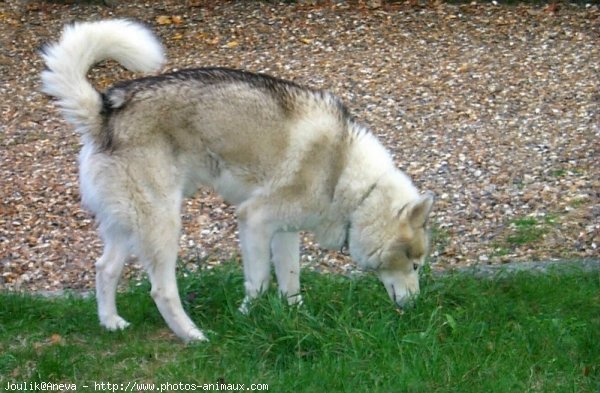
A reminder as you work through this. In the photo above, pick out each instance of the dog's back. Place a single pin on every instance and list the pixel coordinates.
(222, 125)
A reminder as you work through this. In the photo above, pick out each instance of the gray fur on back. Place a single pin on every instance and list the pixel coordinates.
(283, 90)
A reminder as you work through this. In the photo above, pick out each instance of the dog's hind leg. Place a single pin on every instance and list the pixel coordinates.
(108, 271)
(158, 244)
(285, 248)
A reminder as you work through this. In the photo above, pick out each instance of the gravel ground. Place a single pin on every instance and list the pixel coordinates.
(495, 109)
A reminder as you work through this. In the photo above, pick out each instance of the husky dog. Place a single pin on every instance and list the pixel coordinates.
(289, 157)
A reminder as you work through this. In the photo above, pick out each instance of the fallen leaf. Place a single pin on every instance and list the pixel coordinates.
(56, 339)
(232, 44)
(374, 4)
(552, 8)
(163, 20)
(586, 371)
(213, 41)
(177, 20)
(464, 68)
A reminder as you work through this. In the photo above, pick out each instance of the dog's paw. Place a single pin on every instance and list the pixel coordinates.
(114, 323)
(245, 306)
(195, 335)
(295, 300)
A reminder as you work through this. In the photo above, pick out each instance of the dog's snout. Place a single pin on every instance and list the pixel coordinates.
(403, 300)
(403, 294)
(402, 291)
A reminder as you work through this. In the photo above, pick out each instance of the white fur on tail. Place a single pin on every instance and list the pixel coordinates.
(80, 47)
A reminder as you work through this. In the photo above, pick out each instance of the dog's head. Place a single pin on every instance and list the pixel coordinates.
(393, 242)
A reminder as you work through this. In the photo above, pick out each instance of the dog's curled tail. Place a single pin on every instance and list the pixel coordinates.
(80, 47)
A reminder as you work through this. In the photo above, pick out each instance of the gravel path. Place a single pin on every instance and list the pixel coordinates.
(495, 109)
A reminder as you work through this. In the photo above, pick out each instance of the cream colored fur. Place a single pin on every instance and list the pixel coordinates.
(289, 157)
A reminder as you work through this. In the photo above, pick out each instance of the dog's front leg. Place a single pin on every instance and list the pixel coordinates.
(255, 233)
(286, 258)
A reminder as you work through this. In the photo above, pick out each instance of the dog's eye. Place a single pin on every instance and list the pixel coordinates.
(415, 266)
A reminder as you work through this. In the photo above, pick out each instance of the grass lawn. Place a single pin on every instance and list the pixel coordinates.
(517, 333)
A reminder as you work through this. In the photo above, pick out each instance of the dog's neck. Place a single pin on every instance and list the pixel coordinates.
(348, 225)
(366, 162)
(333, 230)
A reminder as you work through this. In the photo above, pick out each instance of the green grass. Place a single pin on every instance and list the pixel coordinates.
(518, 333)
(529, 229)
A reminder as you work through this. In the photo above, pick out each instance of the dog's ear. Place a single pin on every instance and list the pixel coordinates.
(417, 212)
